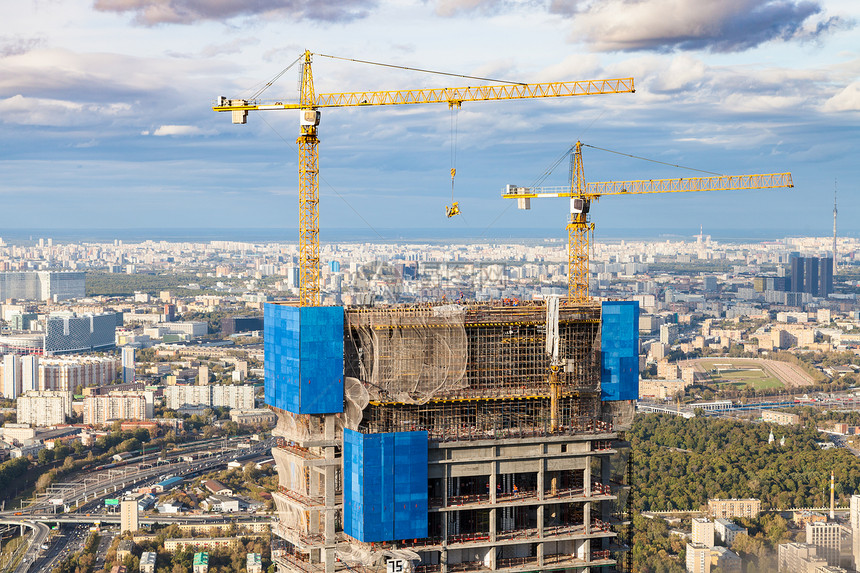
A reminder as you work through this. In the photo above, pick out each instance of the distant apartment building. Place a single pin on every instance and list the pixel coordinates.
(726, 531)
(128, 365)
(258, 416)
(703, 531)
(724, 560)
(240, 397)
(180, 544)
(668, 333)
(147, 561)
(129, 516)
(698, 558)
(254, 563)
(781, 418)
(99, 410)
(798, 558)
(668, 370)
(729, 508)
(42, 285)
(828, 538)
(29, 373)
(200, 564)
(71, 372)
(45, 407)
(854, 520)
(11, 376)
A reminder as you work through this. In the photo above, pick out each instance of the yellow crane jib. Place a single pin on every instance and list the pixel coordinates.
(311, 102)
(581, 195)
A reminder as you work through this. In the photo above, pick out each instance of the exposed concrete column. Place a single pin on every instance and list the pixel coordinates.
(493, 517)
(540, 554)
(541, 477)
(443, 554)
(540, 512)
(494, 481)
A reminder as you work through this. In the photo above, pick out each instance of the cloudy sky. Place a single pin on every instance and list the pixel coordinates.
(106, 119)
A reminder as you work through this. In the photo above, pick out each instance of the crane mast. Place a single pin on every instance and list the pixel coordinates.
(582, 194)
(310, 103)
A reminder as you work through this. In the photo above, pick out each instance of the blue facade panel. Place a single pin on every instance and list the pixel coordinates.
(619, 344)
(303, 358)
(385, 485)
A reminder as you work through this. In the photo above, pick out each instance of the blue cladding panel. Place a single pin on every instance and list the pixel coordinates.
(619, 344)
(385, 485)
(304, 358)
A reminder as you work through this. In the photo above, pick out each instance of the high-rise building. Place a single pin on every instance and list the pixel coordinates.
(477, 437)
(703, 531)
(855, 528)
(45, 407)
(11, 376)
(827, 538)
(29, 373)
(42, 285)
(128, 365)
(825, 277)
(698, 558)
(797, 267)
(101, 409)
(239, 397)
(128, 516)
(810, 275)
(74, 371)
(798, 557)
(203, 375)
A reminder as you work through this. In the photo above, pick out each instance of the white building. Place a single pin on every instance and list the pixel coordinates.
(727, 531)
(133, 405)
(73, 371)
(238, 397)
(827, 539)
(42, 285)
(855, 529)
(44, 408)
(703, 531)
(29, 373)
(11, 376)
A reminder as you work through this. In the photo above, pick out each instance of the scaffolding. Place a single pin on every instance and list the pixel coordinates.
(412, 355)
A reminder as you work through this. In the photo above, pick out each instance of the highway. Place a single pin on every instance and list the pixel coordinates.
(89, 491)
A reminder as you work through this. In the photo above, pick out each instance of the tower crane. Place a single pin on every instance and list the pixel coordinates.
(310, 104)
(582, 194)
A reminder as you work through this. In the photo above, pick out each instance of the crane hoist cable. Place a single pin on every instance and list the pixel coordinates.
(454, 209)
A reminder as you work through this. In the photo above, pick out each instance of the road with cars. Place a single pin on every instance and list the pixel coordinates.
(85, 496)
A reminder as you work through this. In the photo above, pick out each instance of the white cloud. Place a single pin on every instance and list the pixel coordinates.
(179, 130)
(716, 25)
(846, 100)
(22, 110)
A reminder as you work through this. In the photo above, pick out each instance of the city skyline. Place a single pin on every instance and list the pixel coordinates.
(106, 108)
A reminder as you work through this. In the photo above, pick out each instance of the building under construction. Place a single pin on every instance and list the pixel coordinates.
(451, 437)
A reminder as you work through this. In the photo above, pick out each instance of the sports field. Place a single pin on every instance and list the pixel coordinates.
(727, 373)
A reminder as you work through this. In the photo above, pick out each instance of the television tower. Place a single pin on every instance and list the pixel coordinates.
(835, 181)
